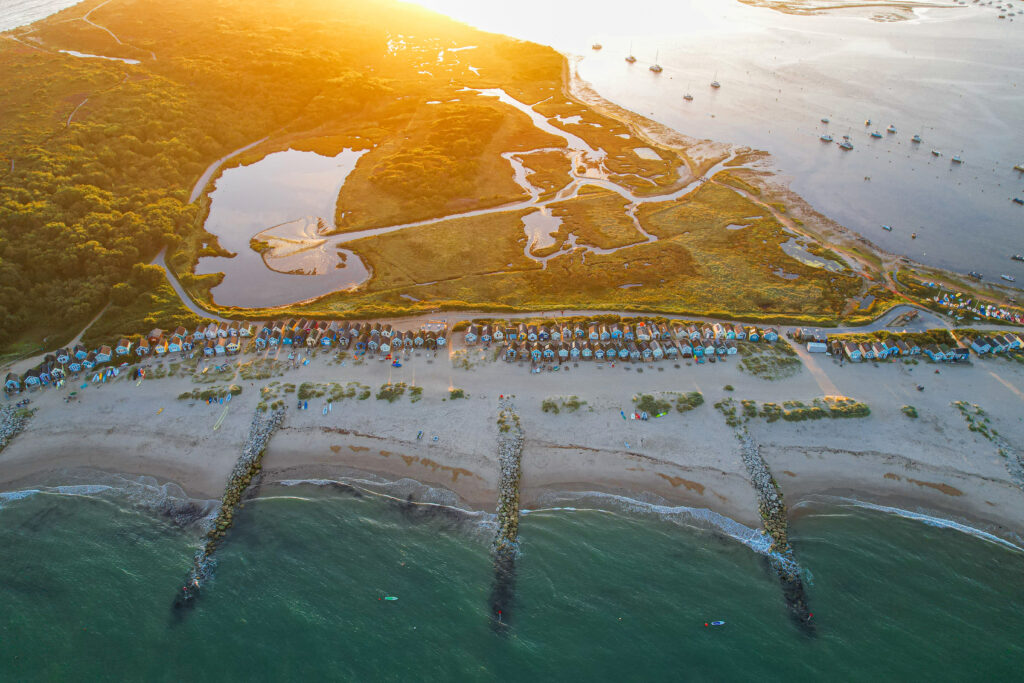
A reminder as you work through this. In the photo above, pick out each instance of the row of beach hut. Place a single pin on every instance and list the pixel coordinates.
(618, 349)
(643, 331)
(228, 338)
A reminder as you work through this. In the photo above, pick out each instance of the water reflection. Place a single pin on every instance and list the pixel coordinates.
(285, 201)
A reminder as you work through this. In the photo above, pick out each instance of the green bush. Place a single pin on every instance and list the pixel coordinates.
(909, 411)
(652, 406)
(689, 401)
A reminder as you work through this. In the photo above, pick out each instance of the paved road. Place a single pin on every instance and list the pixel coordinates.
(182, 294)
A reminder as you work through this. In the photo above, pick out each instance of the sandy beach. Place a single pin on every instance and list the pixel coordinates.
(932, 464)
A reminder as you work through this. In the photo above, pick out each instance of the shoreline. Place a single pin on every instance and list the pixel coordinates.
(612, 500)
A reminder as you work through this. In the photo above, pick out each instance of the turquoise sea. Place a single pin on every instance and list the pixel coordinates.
(87, 585)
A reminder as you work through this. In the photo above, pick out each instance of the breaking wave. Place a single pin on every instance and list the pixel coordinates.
(918, 516)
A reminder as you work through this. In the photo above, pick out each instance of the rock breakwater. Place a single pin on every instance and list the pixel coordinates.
(245, 473)
(773, 512)
(506, 542)
(13, 420)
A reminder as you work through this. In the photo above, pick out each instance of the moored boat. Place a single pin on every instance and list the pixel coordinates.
(846, 144)
(656, 68)
(957, 159)
(936, 153)
(596, 46)
(887, 228)
(974, 275)
(890, 129)
(875, 134)
(1008, 278)
(916, 138)
(688, 97)
(1018, 257)
(826, 138)
(825, 120)
(1018, 200)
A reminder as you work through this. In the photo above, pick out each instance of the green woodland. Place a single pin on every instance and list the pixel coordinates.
(98, 158)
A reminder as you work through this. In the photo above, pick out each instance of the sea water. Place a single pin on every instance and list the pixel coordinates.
(87, 585)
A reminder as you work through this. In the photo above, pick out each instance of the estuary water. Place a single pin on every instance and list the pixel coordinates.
(88, 580)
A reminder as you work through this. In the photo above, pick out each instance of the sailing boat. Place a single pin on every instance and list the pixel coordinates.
(688, 97)
(715, 83)
(630, 58)
(656, 68)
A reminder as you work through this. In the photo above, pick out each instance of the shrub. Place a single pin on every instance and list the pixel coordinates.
(728, 387)
(391, 392)
(653, 406)
(909, 411)
(689, 401)
(456, 393)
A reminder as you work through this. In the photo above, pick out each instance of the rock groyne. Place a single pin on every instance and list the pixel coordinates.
(245, 473)
(773, 512)
(506, 542)
(13, 419)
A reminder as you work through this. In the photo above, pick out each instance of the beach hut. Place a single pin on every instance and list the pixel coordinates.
(616, 331)
(208, 347)
(817, 347)
(633, 350)
(80, 352)
(852, 351)
(373, 342)
(385, 345)
(199, 333)
(104, 354)
(563, 352)
(572, 350)
(685, 348)
(730, 347)
(430, 341)
(720, 348)
(12, 383)
(739, 333)
(522, 332)
(680, 332)
(246, 329)
(124, 347)
(587, 352)
(657, 351)
(709, 347)
(142, 347)
(210, 331)
(599, 352)
(933, 352)
(603, 333)
(498, 334)
(160, 347)
(1015, 342)
(522, 351)
(224, 329)
(510, 352)
(75, 365)
(752, 334)
(881, 352)
(485, 334)
(543, 333)
(628, 332)
(671, 349)
(718, 330)
(770, 335)
(511, 335)
(593, 333)
(63, 356)
(90, 361)
(960, 353)
(531, 333)
(220, 346)
(867, 352)
(233, 346)
(31, 378)
(643, 332)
